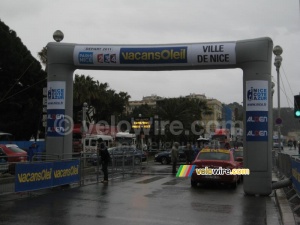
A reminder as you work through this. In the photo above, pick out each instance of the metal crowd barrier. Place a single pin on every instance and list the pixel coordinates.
(89, 168)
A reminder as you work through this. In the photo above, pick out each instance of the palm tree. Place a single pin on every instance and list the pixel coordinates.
(181, 111)
(43, 56)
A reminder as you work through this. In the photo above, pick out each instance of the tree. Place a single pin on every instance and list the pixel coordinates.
(21, 87)
(185, 112)
(106, 101)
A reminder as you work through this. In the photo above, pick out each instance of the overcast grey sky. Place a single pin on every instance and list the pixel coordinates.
(164, 22)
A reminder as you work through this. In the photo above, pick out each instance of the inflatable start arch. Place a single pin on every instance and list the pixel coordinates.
(253, 56)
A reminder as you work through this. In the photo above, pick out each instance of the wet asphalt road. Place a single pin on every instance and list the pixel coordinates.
(149, 199)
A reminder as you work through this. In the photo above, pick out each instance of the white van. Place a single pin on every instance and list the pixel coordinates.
(125, 138)
(90, 143)
(6, 136)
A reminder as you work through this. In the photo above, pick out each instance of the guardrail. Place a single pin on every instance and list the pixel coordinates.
(288, 166)
(89, 169)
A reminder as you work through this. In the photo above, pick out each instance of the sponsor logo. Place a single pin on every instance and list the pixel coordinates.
(55, 116)
(257, 133)
(257, 94)
(107, 58)
(257, 119)
(56, 93)
(85, 57)
(153, 55)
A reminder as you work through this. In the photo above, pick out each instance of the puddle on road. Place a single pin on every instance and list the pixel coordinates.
(204, 207)
(147, 181)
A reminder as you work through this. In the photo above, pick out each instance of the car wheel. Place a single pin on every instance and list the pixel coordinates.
(193, 183)
(164, 161)
(137, 161)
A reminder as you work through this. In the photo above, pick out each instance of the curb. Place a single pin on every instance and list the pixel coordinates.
(285, 211)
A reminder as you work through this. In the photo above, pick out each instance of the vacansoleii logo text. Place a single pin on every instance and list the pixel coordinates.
(153, 55)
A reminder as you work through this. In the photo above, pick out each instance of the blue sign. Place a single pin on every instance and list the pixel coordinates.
(85, 58)
(65, 172)
(159, 55)
(55, 122)
(257, 126)
(35, 176)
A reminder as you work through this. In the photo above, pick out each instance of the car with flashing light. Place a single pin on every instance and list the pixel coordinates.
(215, 159)
(10, 154)
(164, 157)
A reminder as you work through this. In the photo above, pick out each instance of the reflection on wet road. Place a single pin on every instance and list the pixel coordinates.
(149, 199)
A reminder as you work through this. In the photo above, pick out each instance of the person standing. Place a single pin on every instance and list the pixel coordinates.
(174, 156)
(32, 150)
(189, 154)
(295, 144)
(105, 158)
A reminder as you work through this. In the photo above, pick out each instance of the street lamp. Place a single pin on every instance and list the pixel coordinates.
(58, 36)
(84, 109)
(277, 50)
(141, 133)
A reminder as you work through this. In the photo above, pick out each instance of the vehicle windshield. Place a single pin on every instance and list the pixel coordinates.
(213, 156)
(238, 154)
(16, 149)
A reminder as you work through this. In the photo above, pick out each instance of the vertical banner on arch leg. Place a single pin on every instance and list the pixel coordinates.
(56, 92)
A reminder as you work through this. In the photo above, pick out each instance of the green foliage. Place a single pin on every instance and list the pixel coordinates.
(105, 101)
(183, 111)
(21, 87)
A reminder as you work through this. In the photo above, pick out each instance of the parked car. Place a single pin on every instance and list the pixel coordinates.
(165, 156)
(276, 145)
(10, 154)
(213, 158)
(127, 154)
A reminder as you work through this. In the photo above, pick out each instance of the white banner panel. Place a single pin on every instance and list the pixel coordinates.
(168, 55)
(257, 95)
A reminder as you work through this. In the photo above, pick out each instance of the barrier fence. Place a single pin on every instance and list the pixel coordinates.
(288, 166)
(49, 171)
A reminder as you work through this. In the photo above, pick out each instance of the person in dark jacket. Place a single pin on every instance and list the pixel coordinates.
(174, 156)
(105, 158)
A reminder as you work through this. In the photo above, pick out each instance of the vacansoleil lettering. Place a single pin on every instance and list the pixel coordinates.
(66, 172)
(33, 177)
(162, 55)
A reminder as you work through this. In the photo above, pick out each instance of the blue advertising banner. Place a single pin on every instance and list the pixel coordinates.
(56, 122)
(65, 172)
(257, 126)
(296, 174)
(35, 176)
